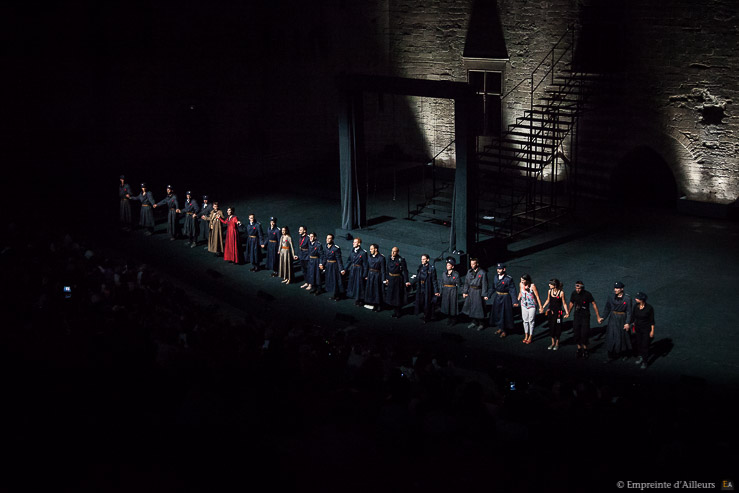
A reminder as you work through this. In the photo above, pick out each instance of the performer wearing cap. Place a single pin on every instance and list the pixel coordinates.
(619, 308)
(232, 245)
(124, 194)
(303, 242)
(427, 286)
(315, 252)
(254, 242)
(205, 221)
(450, 282)
(333, 265)
(273, 246)
(146, 220)
(502, 297)
(357, 265)
(375, 278)
(396, 277)
(215, 235)
(580, 300)
(191, 211)
(642, 318)
(474, 294)
(287, 255)
(173, 206)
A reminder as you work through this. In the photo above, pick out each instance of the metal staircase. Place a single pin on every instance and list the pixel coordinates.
(525, 177)
(523, 174)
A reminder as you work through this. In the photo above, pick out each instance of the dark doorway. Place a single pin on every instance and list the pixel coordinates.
(642, 177)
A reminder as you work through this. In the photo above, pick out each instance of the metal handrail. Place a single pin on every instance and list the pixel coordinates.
(529, 149)
(433, 167)
(569, 29)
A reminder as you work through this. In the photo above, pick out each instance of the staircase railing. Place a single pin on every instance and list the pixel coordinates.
(432, 163)
(537, 136)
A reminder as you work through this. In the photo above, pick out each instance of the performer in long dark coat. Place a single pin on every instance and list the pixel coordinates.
(619, 307)
(375, 277)
(254, 243)
(315, 253)
(190, 228)
(333, 266)
(450, 283)
(427, 287)
(357, 265)
(173, 224)
(503, 297)
(396, 277)
(146, 220)
(273, 246)
(124, 194)
(474, 294)
(204, 220)
(302, 250)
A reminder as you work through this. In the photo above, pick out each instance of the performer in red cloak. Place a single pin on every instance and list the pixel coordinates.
(232, 243)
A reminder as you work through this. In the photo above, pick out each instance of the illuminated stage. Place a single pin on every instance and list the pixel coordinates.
(679, 261)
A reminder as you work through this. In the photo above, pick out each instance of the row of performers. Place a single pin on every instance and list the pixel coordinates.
(372, 279)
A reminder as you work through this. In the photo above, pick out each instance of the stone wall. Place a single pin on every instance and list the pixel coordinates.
(673, 92)
(117, 84)
(672, 79)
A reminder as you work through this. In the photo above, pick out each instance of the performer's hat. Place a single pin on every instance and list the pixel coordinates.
(273, 219)
(205, 197)
(618, 285)
(188, 192)
(143, 185)
(500, 265)
(170, 187)
(123, 177)
(641, 296)
(451, 260)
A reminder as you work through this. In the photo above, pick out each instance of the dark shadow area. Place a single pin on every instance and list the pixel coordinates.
(643, 178)
(598, 332)
(143, 379)
(378, 220)
(133, 358)
(604, 45)
(660, 348)
(485, 38)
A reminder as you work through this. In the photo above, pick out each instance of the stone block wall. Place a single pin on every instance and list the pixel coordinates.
(673, 79)
(115, 86)
(673, 92)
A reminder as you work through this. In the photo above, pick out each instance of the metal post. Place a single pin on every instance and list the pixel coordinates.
(553, 62)
(433, 178)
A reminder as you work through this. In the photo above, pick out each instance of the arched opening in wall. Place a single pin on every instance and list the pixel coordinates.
(642, 177)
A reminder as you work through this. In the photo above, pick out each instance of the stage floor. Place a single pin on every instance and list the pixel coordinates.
(686, 265)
